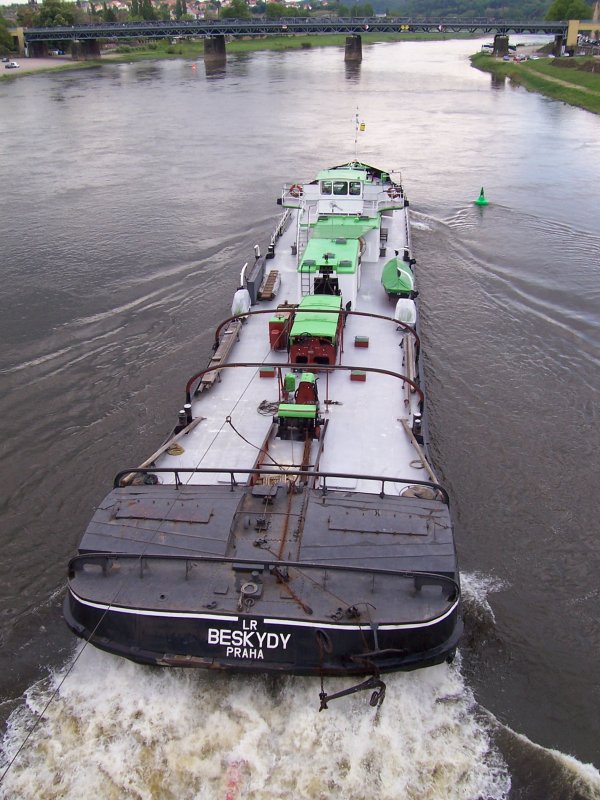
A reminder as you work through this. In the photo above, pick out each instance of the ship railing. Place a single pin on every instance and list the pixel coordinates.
(407, 233)
(282, 225)
(290, 476)
(103, 562)
(293, 195)
(370, 207)
(347, 313)
(195, 381)
(387, 201)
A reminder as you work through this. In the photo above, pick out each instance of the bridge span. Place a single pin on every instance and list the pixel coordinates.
(85, 38)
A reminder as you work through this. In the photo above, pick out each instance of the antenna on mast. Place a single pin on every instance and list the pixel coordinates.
(358, 126)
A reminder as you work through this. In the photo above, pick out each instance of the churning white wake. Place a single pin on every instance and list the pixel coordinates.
(119, 730)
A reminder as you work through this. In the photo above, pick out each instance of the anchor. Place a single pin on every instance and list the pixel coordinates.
(376, 699)
(375, 683)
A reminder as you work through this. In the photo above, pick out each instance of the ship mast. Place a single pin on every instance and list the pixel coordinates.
(358, 126)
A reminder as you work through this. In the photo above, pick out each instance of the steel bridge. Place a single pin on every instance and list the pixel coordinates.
(354, 26)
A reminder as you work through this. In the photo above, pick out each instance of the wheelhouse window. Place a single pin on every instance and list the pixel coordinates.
(341, 188)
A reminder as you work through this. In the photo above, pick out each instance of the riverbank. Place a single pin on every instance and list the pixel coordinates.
(29, 65)
(575, 81)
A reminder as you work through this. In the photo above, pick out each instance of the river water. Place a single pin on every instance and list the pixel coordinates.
(132, 195)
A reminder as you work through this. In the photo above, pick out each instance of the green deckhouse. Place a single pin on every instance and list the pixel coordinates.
(340, 255)
(314, 335)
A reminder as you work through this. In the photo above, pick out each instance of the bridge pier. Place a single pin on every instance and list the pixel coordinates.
(37, 49)
(500, 45)
(85, 50)
(557, 47)
(214, 50)
(353, 49)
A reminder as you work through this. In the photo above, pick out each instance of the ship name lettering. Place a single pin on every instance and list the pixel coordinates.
(243, 652)
(239, 642)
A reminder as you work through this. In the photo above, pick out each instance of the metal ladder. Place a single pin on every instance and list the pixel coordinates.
(305, 283)
(305, 277)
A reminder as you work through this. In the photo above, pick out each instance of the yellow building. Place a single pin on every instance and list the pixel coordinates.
(18, 39)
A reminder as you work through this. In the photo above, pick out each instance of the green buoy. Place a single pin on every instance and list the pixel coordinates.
(482, 200)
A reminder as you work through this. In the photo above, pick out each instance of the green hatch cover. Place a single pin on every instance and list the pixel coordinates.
(308, 320)
(297, 410)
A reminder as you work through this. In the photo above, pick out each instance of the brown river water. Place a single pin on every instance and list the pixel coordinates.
(132, 196)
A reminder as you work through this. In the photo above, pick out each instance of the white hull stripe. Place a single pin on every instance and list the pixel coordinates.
(141, 612)
(267, 621)
(394, 627)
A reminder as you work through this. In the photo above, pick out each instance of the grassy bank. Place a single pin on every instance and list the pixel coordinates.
(575, 81)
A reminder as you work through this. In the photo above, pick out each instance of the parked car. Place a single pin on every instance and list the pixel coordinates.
(12, 65)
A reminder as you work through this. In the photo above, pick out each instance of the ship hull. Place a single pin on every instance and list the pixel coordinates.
(291, 523)
(251, 645)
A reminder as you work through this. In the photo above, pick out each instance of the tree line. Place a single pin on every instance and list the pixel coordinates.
(54, 13)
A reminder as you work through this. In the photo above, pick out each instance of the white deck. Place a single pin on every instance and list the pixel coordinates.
(364, 434)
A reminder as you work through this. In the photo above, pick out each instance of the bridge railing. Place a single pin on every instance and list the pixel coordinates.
(291, 25)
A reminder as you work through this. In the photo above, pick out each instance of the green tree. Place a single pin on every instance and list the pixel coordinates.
(275, 10)
(55, 13)
(135, 9)
(108, 14)
(147, 10)
(177, 12)
(569, 9)
(6, 41)
(27, 16)
(237, 10)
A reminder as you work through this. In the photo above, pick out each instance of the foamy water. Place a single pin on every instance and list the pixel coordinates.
(119, 730)
(107, 728)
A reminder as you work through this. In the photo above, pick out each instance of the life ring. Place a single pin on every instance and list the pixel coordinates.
(394, 192)
(296, 190)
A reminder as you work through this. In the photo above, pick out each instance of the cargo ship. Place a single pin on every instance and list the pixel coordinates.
(291, 522)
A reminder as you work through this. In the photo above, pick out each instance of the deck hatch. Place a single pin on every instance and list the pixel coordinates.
(386, 522)
(188, 510)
